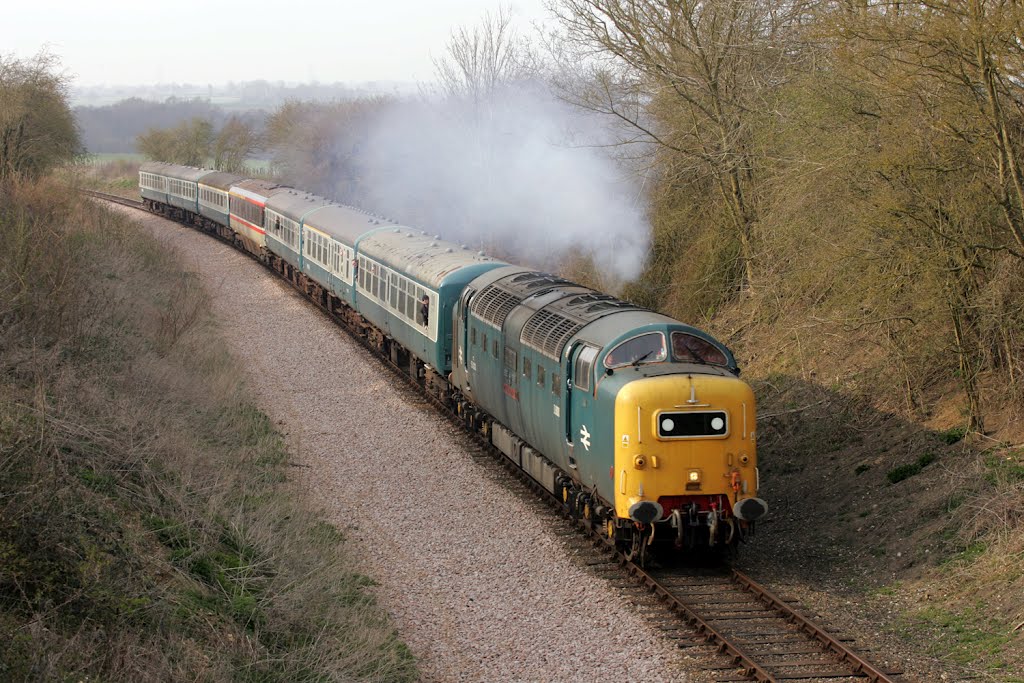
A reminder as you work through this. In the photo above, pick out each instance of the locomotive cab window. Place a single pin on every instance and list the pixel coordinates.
(647, 348)
(687, 348)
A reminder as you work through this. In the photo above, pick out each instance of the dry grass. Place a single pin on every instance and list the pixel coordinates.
(146, 528)
(114, 176)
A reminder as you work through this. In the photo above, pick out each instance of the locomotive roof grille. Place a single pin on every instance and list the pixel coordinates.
(527, 282)
(547, 332)
(588, 299)
(493, 304)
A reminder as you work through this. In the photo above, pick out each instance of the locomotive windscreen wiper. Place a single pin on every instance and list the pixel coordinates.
(642, 358)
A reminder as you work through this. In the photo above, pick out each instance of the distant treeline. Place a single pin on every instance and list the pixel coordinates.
(114, 128)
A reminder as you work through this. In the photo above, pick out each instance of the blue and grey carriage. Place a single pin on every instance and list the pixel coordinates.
(408, 284)
(214, 193)
(171, 188)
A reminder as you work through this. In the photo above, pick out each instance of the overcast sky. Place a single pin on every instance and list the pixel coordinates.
(136, 42)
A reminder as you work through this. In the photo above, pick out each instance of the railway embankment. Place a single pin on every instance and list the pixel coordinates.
(150, 528)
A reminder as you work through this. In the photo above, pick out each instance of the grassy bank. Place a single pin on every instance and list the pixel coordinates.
(147, 530)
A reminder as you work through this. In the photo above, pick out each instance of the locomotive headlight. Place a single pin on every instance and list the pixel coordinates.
(717, 423)
(693, 476)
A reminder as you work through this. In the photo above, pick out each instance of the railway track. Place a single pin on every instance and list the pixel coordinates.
(741, 629)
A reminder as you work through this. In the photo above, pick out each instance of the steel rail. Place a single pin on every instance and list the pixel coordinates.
(133, 203)
(739, 657)
(676, 605)
(765, 596)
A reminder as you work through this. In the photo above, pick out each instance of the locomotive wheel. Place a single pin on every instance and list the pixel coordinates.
(637, 551)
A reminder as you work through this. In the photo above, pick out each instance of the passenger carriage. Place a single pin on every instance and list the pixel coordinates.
(183, 189)
(153, 183)
(408, 284)
(285, 215)
(247, 200)
(174, 187)
(214, 195)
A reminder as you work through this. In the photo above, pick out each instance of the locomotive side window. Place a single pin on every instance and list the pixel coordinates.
(688, 348)
(646, 348)
(584, 366)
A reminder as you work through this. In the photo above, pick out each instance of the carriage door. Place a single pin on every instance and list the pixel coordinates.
(579, 418)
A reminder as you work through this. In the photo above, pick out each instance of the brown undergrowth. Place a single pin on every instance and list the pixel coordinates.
(879, 491)
(147, 531)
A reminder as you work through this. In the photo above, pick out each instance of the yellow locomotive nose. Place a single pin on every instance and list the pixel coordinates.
(686, 440)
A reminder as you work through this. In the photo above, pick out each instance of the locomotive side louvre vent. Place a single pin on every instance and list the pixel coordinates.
(493, 303)
(548, 332)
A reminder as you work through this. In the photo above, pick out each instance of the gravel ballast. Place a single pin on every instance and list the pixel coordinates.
(477, 582)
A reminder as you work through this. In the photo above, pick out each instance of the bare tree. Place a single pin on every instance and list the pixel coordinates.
(687, 77)
(481, 59)
(235, 142)
(37, 127)
(189, 143)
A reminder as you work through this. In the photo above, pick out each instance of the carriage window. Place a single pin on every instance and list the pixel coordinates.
(584, 366)
(527, 368)
(556, 384)
(472, 336)
(494, 348)
(689, 348)
(483, 343)
(647, 348)
(540, 376)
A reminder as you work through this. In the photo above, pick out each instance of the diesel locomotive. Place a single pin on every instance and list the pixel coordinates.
(636, 421)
